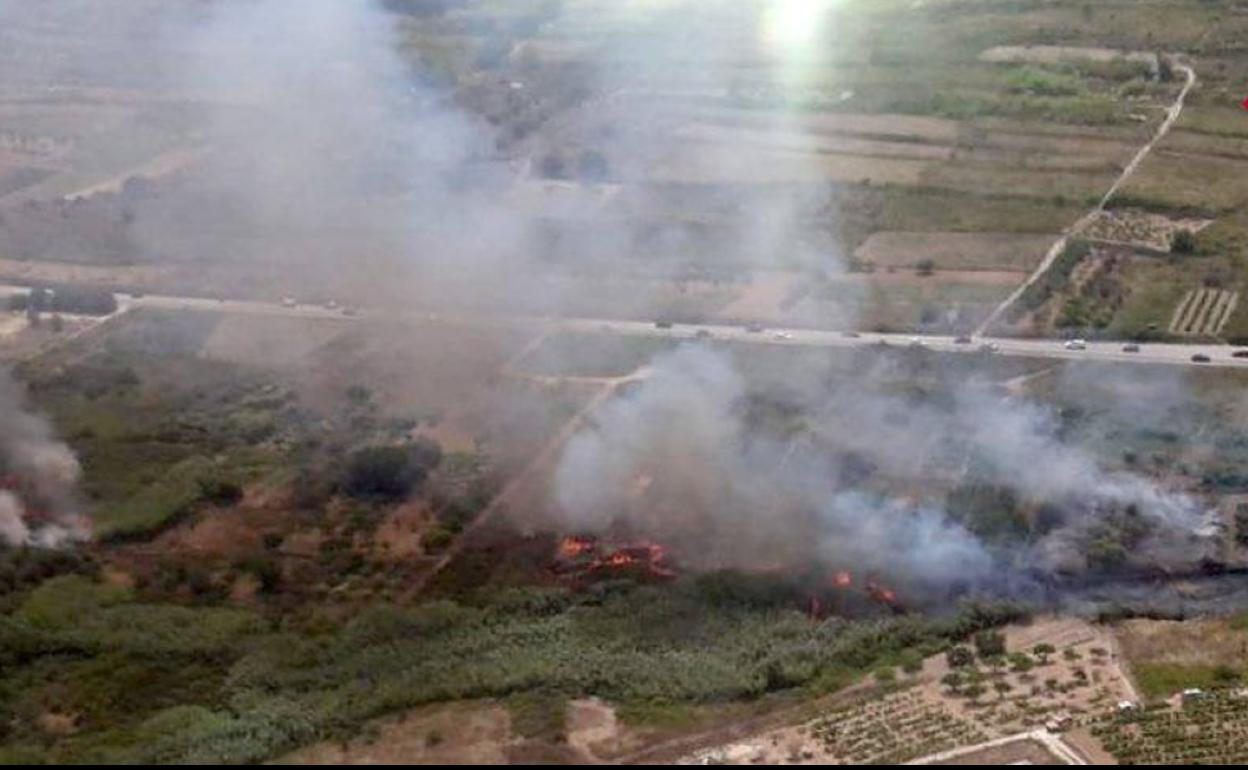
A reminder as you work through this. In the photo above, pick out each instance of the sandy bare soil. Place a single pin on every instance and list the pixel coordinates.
(1056, 54)
(457, 734)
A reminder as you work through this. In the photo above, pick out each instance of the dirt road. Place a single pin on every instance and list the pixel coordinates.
(1172, 115)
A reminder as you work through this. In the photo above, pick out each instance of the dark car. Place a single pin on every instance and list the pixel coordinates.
(755, 328)
(662, 324)
(1132, 348)
(852, 335)
(1200, 358)
(702, 334)
(1240, 354)
(963, 340)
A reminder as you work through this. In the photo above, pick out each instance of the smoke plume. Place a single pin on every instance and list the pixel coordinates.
(38, 476)
(686, 459)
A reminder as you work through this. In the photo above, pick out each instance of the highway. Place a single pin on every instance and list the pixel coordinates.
(1167, 353)
(1159, 353)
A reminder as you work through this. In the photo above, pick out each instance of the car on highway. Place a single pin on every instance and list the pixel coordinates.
(754, 328)
(349, 311)
(1240, 354)
(851, 335)
(989, 347)
(662, 324)
(1200, 358)
(916, 342)
(783, 336)
(1131, 348)
(962, 340)
(703, 334)
(1076, 345)
(331, 304)
(289, 302)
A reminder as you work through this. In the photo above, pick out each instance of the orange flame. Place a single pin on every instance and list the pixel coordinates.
(882, 594)
(572, 547)
(843, 579)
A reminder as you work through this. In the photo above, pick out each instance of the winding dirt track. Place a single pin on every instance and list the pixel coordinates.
(1172, 115)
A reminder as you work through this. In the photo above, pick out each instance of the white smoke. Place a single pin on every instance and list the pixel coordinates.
(727, 497)
(41, 507)
(13, 529)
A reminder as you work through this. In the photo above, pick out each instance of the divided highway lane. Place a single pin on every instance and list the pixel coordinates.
(1169, 353)
(1159, 353)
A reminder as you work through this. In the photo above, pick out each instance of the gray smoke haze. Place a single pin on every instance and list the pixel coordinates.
(323, 154)
(38, 477)
(678, 459)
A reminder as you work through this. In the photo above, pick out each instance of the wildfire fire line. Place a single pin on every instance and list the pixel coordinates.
(586, 557)
(583, 557)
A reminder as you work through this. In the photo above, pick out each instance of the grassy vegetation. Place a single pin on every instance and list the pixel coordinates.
(1053, 280)
(163, 683)
(1161, 680)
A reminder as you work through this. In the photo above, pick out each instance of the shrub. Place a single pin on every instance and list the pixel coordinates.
(389, 472)
(959, 657)
(990, 644)
(1183, 242)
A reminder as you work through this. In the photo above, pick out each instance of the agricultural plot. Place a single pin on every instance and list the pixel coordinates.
(1210, 729)
(1203, 312)
(1051, 54)
(955, 251)
(893, 730)
(1140, 228)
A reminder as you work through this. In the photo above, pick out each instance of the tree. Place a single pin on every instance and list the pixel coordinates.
(1043, 651)
(1183, 242)
(990, 644)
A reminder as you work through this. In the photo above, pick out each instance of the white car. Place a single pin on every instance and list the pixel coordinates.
(289, 302)
(783, 336)
(1076, 345)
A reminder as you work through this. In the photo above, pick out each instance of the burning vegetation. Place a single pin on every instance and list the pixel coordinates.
(587, 559)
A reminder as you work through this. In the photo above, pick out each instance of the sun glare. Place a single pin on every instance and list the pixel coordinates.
(793, 24)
